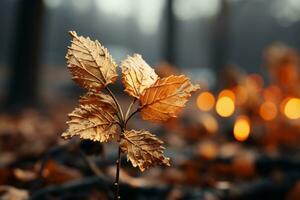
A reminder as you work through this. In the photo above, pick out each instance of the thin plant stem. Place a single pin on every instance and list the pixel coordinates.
(118, 166)
(129, 108)
(131, 115)
(121, 118)
(122, 126)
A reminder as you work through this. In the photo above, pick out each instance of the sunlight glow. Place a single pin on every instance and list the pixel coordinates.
(116, 8)
(82, 6)
(195, 9)
(52, 4)
(148, 15)
(286, 12)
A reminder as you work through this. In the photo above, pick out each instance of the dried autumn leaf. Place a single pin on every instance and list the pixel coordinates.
(94, 119)
(24, 175)
(166, 98)
(12, 193)
(99, 99)
(143, 149)
(90, 64)
(56, 173)
(137, 75)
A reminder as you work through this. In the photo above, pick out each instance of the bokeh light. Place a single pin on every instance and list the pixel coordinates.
(241, 129)
(227, 93)
(205, 101)
(268, 111)
(272, 93)
(292, 108)
(241, 94)
(209, 123)
(225, 106)
(282, 105)
(208, 150)
(255, 81)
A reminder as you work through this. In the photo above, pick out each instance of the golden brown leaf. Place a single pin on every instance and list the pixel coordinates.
(24, 175)
(137, 75)
(94, 119)
(99, 99)
(56, 173)
(143, 149)
(90, 64)
(166, 98)
(12, 193)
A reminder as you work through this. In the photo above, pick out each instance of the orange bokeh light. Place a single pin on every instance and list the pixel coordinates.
(255, 80)
(241, 129)
(205, 101)
(227, 93)
(225, 106)
(272, 93)
(292, 108)
(282, 104)
(210, 123)
(241, 94)
(268, 111)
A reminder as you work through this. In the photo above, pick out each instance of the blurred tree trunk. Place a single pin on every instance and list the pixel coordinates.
(170, 33)
(25, 55)
(220, 39)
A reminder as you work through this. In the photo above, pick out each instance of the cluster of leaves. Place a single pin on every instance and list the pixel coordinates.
(99, 114)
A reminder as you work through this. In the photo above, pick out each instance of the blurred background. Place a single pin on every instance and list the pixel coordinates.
(239, 137)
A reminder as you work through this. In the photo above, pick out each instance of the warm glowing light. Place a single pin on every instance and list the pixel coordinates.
(241, 129)
(268, 110)
(225, 106)
(210, 123)
(208, 150)
(241, 95)
(292, 108)
(282, 105)
(272, 93)
(205, 101)
(227, 93)
(255, 81)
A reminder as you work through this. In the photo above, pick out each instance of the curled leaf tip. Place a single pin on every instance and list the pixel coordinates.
(91, 65)
(72, 33)
(137, 75)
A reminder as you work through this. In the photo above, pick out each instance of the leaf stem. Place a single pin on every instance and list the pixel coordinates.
(118, 166)
(122, 124)
(121, 118)
(131, 115)
(129, 108)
